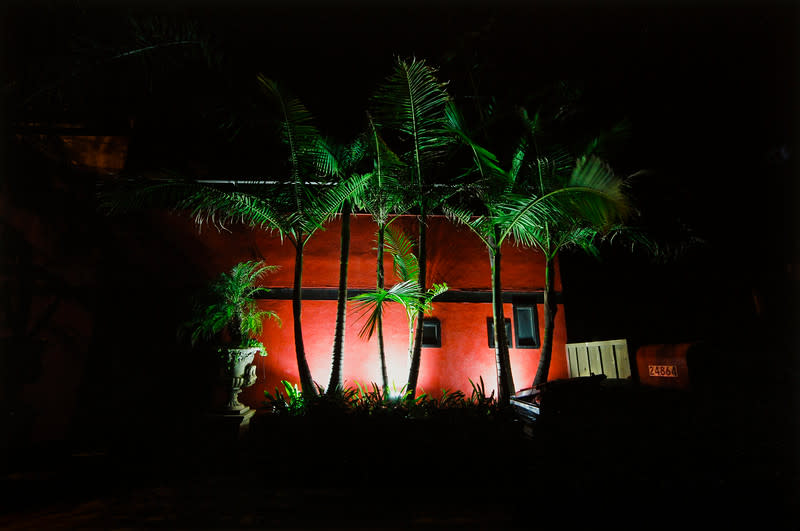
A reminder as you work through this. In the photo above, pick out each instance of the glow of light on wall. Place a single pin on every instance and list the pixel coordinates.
(397, 365)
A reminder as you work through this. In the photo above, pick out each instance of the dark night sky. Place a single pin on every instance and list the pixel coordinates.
(710, 88)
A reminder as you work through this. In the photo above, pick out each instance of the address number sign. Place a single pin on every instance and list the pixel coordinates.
(663, 371)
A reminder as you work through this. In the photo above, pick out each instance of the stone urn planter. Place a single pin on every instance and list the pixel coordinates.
(228, 313)
(237, 371)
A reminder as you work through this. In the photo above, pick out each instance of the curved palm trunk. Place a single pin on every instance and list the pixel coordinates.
(379, 324)
(306, 382)
(550, 310)
(416, 354)
(336, 382)
(505, 380)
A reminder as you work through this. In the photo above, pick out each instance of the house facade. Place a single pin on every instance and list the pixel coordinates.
(458, 342)
(96, 302)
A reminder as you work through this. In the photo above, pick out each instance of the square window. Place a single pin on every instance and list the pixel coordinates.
(431, 333)
(490, 331)
(526, 326)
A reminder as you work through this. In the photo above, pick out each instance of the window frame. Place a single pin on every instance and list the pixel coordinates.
(537, 343)
(437, 324)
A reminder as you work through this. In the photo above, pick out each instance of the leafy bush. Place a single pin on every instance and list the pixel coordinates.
(374, 402)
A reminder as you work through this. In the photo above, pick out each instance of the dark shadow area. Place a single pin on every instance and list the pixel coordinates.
(600, 449)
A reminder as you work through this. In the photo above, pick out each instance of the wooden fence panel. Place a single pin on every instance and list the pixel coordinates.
(599, 357)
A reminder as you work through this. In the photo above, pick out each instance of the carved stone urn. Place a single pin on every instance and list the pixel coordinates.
(237, 371)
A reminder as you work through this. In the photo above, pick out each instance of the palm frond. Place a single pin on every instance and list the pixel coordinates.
(370, 305)
(355, 152)
(596, 194)
(635, 237)
(517, 159)
(325, 202)
(399, 246)
(328, 157)
(480, 225)
(297, 130)
(523, 218)
(554, 168)
(385, 193)
(434, 291)
(609, 140)
(584, 237)
(206, 204)
(484, 162)
(218, 208)
(593, 199)
(411, 103)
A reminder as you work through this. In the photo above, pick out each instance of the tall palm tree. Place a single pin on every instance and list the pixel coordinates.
(308, 205)
(583, 230)
(340, 162)
(408, 292)
(409, 111)
(383, 196)
(512, 210)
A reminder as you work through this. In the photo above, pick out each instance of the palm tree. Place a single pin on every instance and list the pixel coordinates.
(408, 292)
(307, 209)
(409, 109)
(340, 161)
(583, 230)
(383, 196)
(510, 209)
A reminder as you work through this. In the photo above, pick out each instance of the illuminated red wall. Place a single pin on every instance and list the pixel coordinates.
(455, 256)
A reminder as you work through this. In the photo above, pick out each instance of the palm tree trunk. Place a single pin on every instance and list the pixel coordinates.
(550, 309)
(505, 380)
(306, 382)
(416, 355)
(379, 324)
(336, 382)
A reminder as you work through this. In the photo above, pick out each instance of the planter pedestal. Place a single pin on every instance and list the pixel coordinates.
(233, 424)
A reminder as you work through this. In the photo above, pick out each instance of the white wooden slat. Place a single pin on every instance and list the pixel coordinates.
(583, 362)
(623, 361)
(593, 353)
(571, 362)
(609, 358)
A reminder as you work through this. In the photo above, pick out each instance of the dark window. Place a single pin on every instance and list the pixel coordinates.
(431, 333)
(490, 331)
(526, 326)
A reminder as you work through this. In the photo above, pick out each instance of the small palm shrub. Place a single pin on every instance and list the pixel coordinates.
(228, 311)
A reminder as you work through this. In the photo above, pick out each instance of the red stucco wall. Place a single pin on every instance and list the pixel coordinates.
(464, 353)
(455, 256)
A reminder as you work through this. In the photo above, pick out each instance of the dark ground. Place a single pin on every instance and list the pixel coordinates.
(618, 454)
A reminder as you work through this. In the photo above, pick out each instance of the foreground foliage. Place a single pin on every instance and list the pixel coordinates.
(376, 402)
